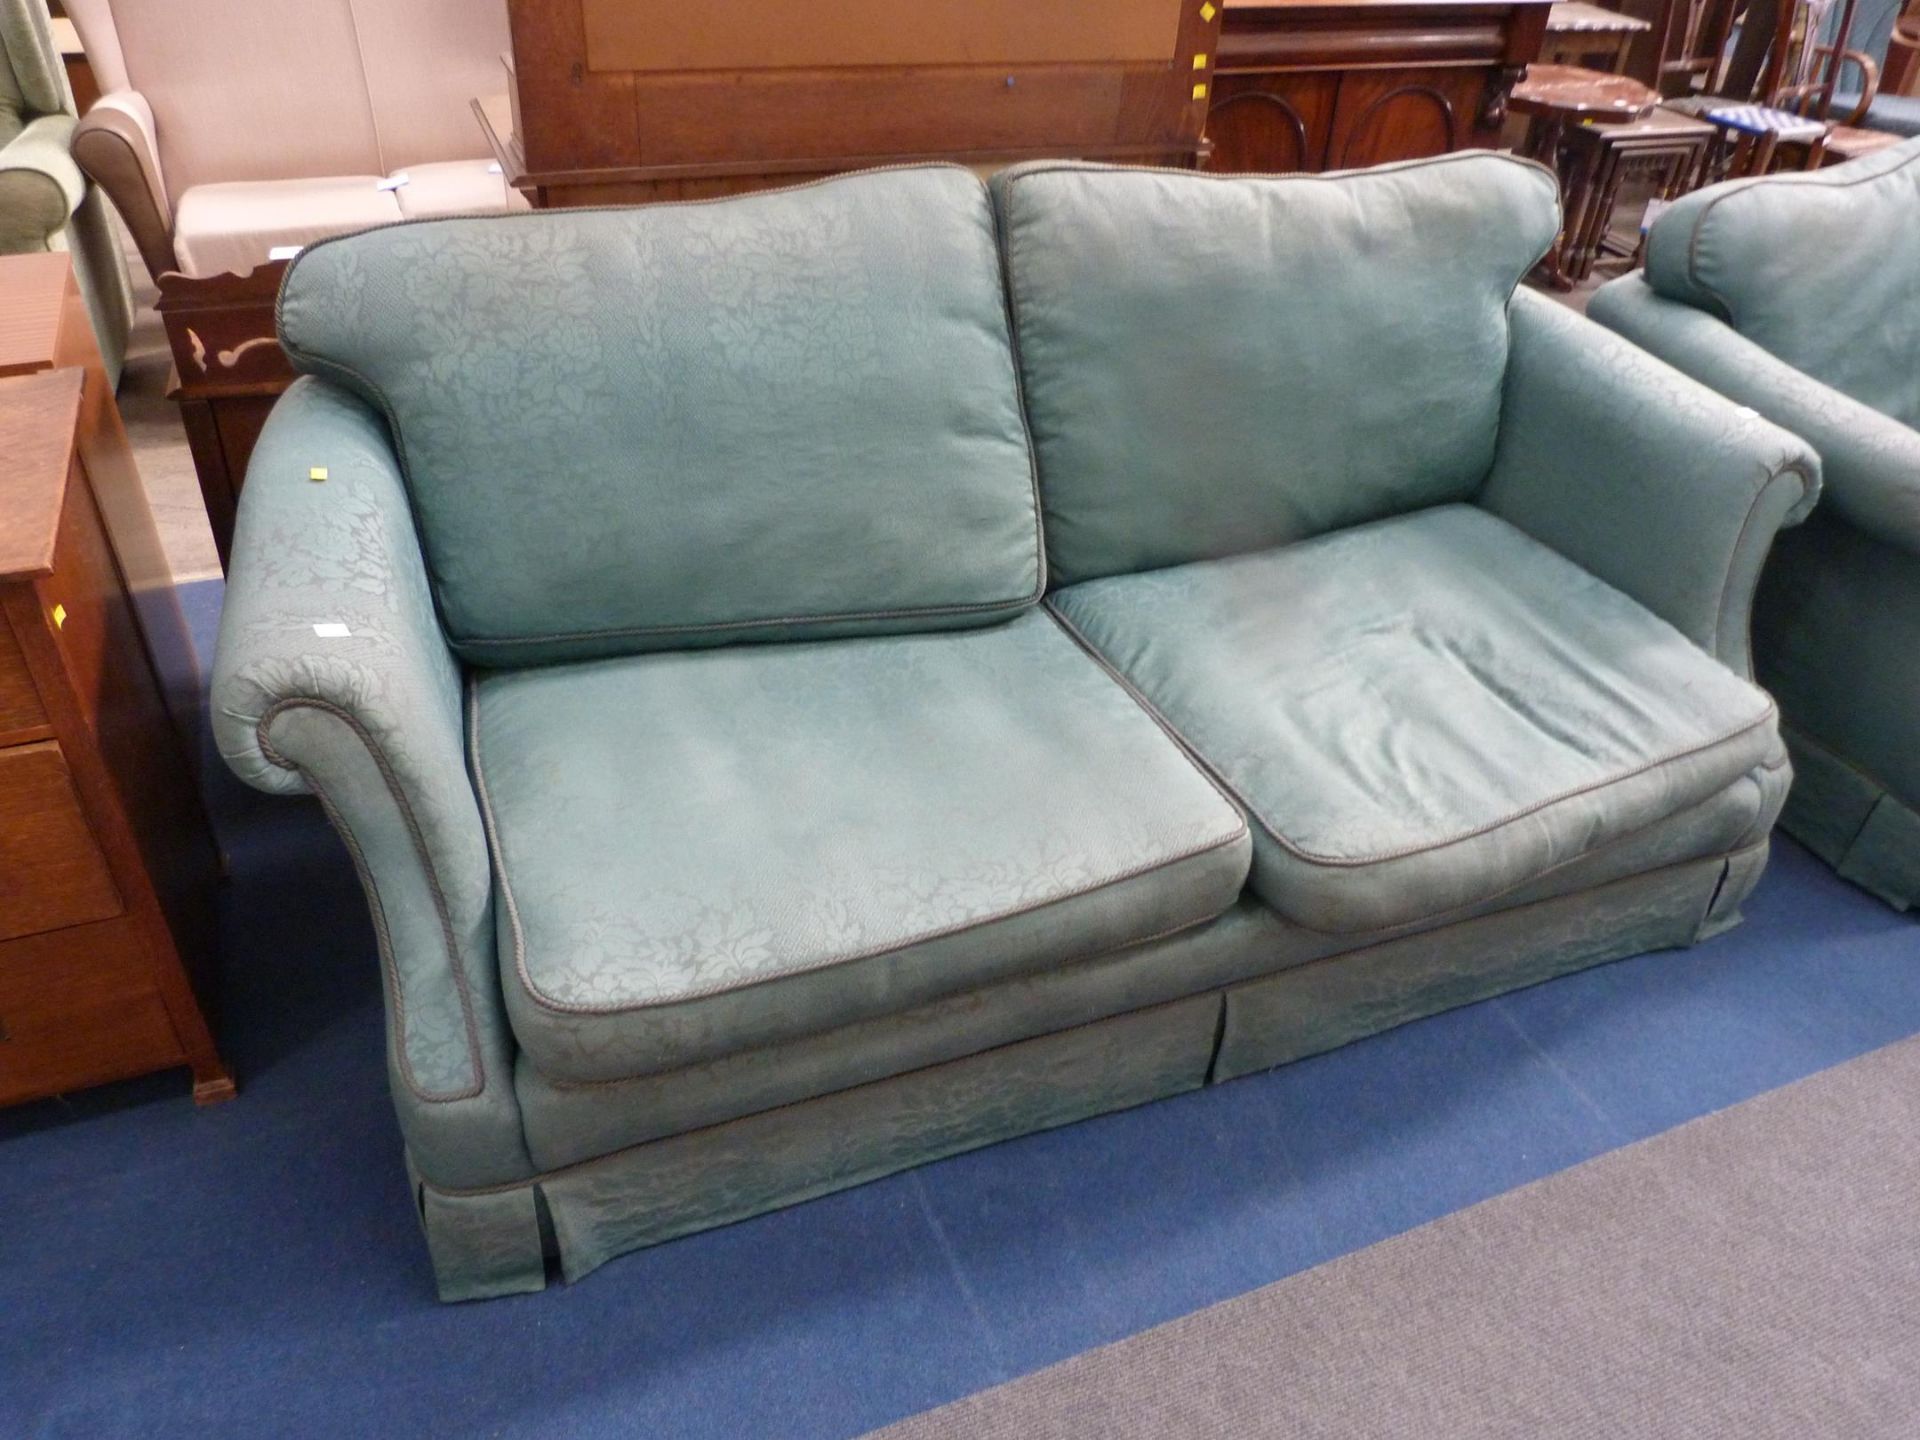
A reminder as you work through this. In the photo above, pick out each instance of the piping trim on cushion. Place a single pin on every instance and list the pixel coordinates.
(1798, 471)
(366, 389)
(565, 1007)
(1700, 220)
(1452, 915)
(593, 1160)
(1349, 861)
(1222, 991)
(1003, 233)
(619, 1080)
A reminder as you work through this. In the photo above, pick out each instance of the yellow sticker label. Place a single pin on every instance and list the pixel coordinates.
(318, 472)
(1199, 92)
(1200, 61)
(1207, 12)
(59, 616)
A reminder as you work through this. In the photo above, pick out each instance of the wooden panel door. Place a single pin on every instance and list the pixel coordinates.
(52, 873)
(1271, 124)
(1407, 114)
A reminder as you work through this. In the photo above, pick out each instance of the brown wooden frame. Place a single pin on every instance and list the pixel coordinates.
(567, 134)
(228, 369)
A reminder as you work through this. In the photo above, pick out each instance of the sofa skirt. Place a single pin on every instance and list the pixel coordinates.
(1850, 820)
(502, 1239)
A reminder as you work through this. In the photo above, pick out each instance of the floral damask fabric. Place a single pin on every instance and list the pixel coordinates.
(331, 675)
(1420, 713)
(1837, 614)
(706, 851)
(1869, 461)
(1216, 364)
(1656, 485)
(1820, 268)
(652, 427)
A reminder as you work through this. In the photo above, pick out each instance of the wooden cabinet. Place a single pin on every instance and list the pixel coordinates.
(1338, 86)
(620, 101)
(107, 864)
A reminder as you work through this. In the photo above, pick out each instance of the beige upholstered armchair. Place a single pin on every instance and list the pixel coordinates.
(45, 203)
(227, 128)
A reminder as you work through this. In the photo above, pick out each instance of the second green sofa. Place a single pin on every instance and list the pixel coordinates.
(1799, 295)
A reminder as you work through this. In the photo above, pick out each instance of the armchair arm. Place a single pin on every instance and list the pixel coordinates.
(116, 144)
(1871, 461)
(332, 677)
(1649, 480)
(40, 187)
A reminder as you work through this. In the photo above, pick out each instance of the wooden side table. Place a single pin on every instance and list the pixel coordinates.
(1557, 99)
(1661, 148)
(107, 864)
(228, 369)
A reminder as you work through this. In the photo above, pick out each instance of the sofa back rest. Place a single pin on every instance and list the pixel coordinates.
(1821, 269)
(781, 416)
(1220, 364)
(285, 89)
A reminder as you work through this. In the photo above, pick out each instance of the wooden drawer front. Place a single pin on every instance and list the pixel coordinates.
(78, 1008)
(19, 701)
(52, 873)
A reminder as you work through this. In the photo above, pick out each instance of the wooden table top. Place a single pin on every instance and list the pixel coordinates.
(1573, 92)
(38, 417)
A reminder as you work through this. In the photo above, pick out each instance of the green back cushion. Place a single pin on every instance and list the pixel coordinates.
(787, 415)
(1820, 269)
(1216, 365)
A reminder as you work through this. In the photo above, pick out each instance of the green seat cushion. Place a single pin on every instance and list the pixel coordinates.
(1422, 713)
(1746, 251)
(1218, 364)
(703, 851)
(784, 415)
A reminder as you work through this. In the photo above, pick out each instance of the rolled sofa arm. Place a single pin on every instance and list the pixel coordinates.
(40, 186)
(117, 145)
(1870, 461)
(332, 676)
(1651, 481)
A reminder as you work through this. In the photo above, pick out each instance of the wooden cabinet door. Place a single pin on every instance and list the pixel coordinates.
(52, 873)
(1271, 124)
(1385, 115)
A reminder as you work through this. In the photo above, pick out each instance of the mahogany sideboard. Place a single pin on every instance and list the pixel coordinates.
(1338, 84)
(107, 864)
(623, 101)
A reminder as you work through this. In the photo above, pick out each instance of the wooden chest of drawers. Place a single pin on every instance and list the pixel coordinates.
(107, 865)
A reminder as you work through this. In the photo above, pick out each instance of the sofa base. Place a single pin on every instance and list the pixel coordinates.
(498, 1241)
(1314, 1008)
(1850, 820)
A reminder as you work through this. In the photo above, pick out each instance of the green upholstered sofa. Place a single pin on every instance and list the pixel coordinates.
(823, 680)
(1799, 295)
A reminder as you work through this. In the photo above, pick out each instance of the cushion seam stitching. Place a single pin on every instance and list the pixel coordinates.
(565, 1007)
(560, 1083)
(1222, 990)
(1408, 852)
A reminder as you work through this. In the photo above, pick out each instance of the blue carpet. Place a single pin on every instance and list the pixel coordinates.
(255, 1270)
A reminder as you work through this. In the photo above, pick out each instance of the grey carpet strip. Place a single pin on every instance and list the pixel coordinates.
(1752, 1274)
